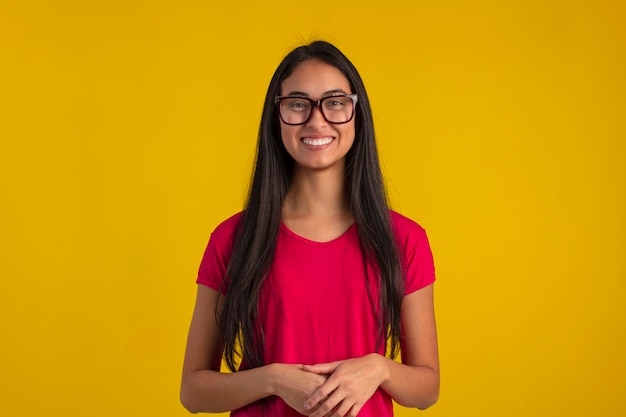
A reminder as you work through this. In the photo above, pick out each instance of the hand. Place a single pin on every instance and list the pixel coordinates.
(350, 384)
(294, 385)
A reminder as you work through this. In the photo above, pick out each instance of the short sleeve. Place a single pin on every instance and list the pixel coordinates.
(415, 253)
(217, 254)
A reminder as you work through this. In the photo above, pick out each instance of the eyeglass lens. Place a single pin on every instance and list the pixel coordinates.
(297, 110)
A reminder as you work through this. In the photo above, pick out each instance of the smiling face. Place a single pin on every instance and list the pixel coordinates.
(317, 144)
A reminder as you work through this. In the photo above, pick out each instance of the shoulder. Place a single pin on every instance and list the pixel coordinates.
(225, 231)
(415, 253)
(217, 253)
(407, 231)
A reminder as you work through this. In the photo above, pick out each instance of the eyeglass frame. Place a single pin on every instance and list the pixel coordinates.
(318, 103)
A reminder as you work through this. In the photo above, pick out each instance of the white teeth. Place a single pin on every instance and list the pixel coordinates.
(317, 142)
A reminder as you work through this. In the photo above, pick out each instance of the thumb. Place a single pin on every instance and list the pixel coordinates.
(322, 368)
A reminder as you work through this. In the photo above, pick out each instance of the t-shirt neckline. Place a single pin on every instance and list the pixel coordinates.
(352, 229)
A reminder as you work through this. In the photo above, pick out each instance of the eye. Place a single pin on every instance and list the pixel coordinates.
(335, 103)
(296, 104)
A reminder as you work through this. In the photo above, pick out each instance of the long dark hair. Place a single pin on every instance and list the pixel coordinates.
(255, 242)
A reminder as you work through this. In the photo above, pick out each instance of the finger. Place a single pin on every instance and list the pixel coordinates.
(346, 407)
(327, 408)
(341, 410)
(321, 396)
(321, 368)
(349, 411)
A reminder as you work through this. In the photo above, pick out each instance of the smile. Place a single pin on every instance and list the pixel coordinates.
(317, 141)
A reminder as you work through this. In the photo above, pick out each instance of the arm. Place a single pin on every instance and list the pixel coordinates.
(205, 389)
(413, 383)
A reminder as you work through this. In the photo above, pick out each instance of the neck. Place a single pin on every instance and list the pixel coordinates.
(317, 194)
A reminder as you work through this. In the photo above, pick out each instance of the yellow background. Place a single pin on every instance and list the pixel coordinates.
(127, 131)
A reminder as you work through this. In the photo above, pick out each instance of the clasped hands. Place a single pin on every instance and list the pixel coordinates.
(335, 389)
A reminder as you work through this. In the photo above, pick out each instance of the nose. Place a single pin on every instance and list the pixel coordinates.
(317, 117)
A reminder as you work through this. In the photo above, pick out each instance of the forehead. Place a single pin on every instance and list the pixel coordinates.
(314, 78)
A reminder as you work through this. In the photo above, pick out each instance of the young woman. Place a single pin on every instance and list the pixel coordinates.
(317, 284)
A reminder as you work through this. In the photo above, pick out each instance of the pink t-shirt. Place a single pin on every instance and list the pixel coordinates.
(314, 303)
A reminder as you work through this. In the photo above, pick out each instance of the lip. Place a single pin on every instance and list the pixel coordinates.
(317, 140)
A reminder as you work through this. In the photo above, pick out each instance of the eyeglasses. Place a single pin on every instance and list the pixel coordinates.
(337, 109)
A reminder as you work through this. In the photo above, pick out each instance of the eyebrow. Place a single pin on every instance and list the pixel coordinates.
(327, 93)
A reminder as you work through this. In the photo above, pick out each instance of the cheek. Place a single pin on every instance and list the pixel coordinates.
(288, 138)
(287, 133)
(349, 132)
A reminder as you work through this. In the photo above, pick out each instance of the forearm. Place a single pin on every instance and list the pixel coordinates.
(214, 392)
(411, 386)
